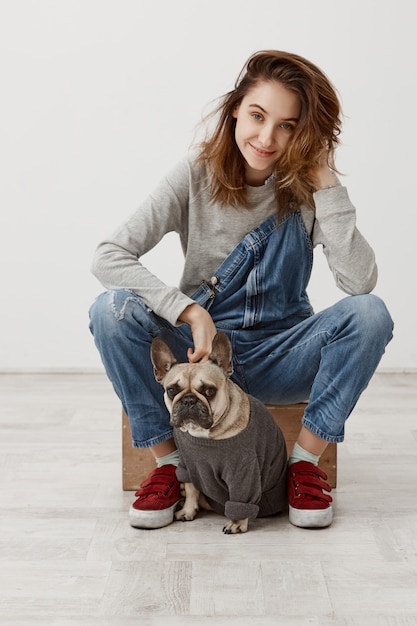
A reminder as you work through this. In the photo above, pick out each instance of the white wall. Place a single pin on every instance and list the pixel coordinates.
(100, 97)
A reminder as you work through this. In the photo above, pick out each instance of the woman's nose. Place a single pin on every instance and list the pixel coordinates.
(266, 137)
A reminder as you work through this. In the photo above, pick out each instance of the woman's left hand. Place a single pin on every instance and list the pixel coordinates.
(323, 176)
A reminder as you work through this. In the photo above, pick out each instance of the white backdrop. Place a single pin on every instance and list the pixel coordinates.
(100, 97)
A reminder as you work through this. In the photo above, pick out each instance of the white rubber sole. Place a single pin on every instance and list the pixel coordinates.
(152, 519)
(314, 518)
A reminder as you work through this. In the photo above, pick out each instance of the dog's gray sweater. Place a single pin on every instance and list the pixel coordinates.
(208, 232)
(243, 476)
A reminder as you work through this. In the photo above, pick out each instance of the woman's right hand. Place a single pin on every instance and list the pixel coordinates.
(202, 330)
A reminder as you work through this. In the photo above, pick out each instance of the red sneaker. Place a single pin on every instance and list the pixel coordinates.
(158, 497)
(309, 506)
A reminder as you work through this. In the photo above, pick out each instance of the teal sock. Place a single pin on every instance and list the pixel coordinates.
(299, 454)
(173, 458)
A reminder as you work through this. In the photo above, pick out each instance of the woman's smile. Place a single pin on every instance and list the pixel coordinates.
(260, 152)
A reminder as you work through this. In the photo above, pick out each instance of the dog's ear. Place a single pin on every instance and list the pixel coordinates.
(162, 358)
(221, 353)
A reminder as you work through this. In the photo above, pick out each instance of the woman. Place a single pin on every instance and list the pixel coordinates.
(248, 206)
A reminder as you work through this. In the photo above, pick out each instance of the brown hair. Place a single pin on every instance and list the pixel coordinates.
(318, 129)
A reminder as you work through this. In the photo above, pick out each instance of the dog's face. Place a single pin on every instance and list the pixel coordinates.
(196, 394)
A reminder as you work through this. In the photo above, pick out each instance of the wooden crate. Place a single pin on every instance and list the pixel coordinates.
(139, 462)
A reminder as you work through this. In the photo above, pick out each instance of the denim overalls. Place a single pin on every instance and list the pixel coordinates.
(282, 351)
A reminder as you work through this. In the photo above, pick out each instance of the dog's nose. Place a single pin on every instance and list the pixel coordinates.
(189, 400)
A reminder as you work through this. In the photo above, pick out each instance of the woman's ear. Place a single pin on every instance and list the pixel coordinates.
(235, 110)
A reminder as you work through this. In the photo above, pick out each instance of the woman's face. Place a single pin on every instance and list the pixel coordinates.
(265, 121)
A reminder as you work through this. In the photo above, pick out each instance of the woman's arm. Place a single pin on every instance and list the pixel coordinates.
(350, 257)
(116, 261)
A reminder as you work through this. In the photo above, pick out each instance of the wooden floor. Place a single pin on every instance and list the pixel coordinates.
(69, 556)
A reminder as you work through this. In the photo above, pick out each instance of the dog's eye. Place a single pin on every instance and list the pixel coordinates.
(210, 392)
(171, 392)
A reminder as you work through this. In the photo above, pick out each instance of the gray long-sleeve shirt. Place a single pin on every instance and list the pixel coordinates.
(208, 232)
(243, 476)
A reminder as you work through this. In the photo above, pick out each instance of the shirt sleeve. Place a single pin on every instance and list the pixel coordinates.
(116, 261)
(182, 474)
(350, 257)
(245, 491)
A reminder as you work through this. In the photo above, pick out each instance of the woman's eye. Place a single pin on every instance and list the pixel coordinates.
(257, 116)
(286, 126)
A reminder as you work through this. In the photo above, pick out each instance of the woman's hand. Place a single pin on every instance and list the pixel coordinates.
(202, 330)
(321, 173)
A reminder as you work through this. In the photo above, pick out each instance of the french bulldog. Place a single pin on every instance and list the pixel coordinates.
(233, 454)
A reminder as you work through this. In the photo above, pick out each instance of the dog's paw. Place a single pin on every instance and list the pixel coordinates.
(186, 514)
(236, 526)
